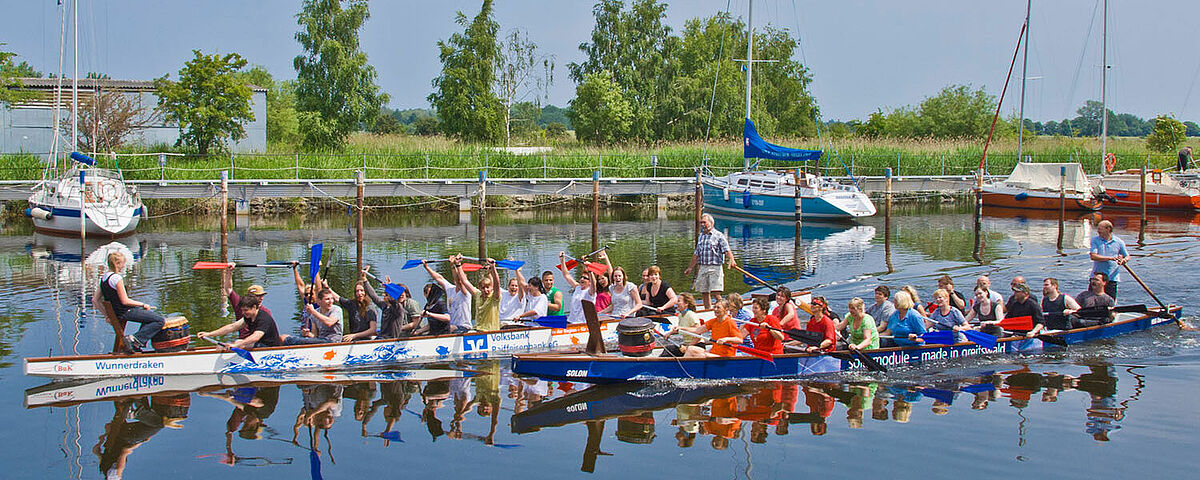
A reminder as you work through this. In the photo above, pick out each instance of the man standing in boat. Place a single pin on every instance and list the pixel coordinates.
(712, 248)
(1108, 253)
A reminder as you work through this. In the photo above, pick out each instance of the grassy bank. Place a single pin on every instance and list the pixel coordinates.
(436, 157)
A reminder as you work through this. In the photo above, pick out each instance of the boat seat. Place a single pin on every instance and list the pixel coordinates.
(117, 324)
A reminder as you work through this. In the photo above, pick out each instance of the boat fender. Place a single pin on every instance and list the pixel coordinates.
(145, 212)
(746, 198)
(1021, 196)
(38, 213)
(725, 191)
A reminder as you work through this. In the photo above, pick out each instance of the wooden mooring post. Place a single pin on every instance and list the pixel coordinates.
(483, 214)
(360, 184)
(595, 210)
(224, 216)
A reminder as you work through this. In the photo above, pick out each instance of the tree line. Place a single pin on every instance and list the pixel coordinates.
(639, 82)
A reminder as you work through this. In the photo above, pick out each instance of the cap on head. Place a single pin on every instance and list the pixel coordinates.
(256, 290)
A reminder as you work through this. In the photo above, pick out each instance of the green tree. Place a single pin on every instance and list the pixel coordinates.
(386, 124)
(957, 112)
(335, 87)
(10, 86)
(463, 95)
(425, 126)
(209, 102)
(635, 47)
(1168, 134)
(1193, 129)
(600, 113)
(556, 130)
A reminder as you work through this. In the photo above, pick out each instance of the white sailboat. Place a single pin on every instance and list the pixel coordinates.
(83, 199)
(772, 194)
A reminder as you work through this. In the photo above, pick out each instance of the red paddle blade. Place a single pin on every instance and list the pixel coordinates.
(1017, 323)
(471, 267)
(211, 266)
(755, 353)
(597, 268)
(570, 264)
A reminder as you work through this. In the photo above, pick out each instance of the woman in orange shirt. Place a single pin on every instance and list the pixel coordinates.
(767, 335)
(724, 330)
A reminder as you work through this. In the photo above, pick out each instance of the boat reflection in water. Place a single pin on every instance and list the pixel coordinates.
(765, 246)
(57, 259)
(472, 395)
(756, 411)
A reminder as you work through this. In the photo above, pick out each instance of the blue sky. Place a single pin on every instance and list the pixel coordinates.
(864, 54)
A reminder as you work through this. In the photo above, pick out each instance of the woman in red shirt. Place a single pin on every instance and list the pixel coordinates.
(765, 339)
(821, 323)
(785, 310)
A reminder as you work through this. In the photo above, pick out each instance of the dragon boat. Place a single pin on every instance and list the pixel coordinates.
(605, 368)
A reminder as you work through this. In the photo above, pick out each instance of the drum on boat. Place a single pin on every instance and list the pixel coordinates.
(173, 408)
(174, 336)
(635, 336)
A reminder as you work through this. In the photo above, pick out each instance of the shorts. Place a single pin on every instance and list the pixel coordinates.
(709, 278)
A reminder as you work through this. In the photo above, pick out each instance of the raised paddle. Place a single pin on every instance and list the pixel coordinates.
(759, 280)
(1165, 313)
(241, 352)
(749, 351)
(224, 265)
(505, 264)
(572, 263)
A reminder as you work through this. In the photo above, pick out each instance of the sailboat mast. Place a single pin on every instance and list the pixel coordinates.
(75, 79)
(1024, 67)
(1104, 89)
(749, 66)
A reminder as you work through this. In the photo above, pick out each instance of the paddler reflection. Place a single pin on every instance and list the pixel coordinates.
(134, 421)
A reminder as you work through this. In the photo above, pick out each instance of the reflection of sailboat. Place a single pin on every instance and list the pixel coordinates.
(766, 244)
(1040, 226)
(60, 258)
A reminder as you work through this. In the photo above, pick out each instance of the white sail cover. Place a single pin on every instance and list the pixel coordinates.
(1035, 176)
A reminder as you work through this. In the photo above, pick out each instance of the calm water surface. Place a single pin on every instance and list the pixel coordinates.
(1112, 408)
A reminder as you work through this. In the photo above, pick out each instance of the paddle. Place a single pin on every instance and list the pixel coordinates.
(572, 263)
(594, 267)
(761, 281)
(239, 351)
(935, 337)
(505, 264)
(944, 396)
(1165, 313)
(552, 321)
(1016, 323)
(980, 338)
(816, 339)
(749, 351)
(224, 265)
(314, 261)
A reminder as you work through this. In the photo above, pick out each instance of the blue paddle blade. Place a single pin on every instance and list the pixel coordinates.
(391, 435)
(505, 445)
(241, 352)
(553, 321)
(393, 290)
(314, 464)
(945, 396)
(510, 264)
(314, 261)
(982, 339)
(978, 387)
(411, 263)
(939, 337)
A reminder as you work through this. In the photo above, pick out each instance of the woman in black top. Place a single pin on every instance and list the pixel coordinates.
(658, 295)
(361, 319)
(112, 290)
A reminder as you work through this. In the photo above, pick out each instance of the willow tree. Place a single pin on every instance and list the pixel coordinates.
(335, 86)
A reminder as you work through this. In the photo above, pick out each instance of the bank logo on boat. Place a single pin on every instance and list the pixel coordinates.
(475, 343)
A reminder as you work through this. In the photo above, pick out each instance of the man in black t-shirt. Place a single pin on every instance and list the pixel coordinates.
(1185, 159)
(263, 331)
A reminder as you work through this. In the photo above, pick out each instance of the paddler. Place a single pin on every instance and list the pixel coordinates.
(458, 300)
(725, 331)
(583, 290)
(486, 298)
(263, 331)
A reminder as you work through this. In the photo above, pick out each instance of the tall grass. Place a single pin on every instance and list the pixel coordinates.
(402, 156)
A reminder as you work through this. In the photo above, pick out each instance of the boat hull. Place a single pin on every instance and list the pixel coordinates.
(64, 221)
(836, 204)
(317, 357)
(1037, 201)
(612, 369)
(1120, 198)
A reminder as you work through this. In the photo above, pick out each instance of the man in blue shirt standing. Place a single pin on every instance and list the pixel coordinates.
(1108, 253)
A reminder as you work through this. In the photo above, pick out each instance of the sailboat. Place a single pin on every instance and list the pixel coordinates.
(83, 199)
(772, 194)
